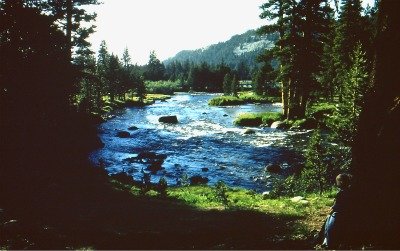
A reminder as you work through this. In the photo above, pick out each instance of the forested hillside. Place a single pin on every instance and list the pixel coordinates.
(243, 48)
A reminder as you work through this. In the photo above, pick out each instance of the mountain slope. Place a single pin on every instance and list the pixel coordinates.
(240, 48)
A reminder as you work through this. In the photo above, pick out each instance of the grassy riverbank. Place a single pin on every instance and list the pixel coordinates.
(318, 115)
(109, 106)
(88, 210)
(242, 98)
(257, 119)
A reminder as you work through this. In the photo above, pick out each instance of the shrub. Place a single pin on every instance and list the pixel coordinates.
(162, 187)
(221, 193)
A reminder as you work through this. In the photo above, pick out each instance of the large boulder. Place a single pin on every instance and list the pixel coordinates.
(277, 124)
(273, 168)
(168, 119)
(123, 134)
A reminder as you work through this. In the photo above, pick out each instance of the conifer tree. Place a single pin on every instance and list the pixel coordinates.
(355, 87)
(349, 31)
(235, 86)
(227, 84)
(155, 70)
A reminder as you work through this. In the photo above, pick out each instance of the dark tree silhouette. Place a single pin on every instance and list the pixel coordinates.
(376, 153)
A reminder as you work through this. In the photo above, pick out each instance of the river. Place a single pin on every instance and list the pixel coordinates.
(204, 142)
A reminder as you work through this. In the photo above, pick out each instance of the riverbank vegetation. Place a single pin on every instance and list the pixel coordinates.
(242, 98)
(257, 119)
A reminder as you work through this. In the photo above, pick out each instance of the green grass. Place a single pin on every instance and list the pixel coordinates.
(243, 98)
(257, 119)
(305, 219)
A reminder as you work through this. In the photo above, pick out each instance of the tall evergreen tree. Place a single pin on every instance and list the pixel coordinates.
(349, 31)
(235, 86)
(227, 85)
(355, 88)
(155, 70)
(278, 13)
(301, 26)
(72, 17)
(113, 77)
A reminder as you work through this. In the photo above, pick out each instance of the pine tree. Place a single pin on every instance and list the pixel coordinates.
(349, 31)
(235, 86)
(315, 175)
(227, 85)
(103, 59)
(141, 89)
(155, 70)
(355, 87)
(72, 17)
(113, 75)
(327, 74)
(279, 13)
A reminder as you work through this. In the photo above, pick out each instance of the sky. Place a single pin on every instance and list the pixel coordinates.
(169, 26)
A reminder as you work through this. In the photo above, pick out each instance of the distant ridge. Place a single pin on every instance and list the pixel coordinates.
(239, 48)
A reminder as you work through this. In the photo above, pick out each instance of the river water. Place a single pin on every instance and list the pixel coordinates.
(204, 142)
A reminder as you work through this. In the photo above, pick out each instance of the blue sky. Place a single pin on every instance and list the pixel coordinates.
(169, 26)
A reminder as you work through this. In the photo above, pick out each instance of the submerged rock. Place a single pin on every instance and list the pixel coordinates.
(249, 131)
(205, 169)
(133, 128)
(123, 134)
(155, 166)
(147, 157)
(273, 168)
(168, 119)
(198, 180)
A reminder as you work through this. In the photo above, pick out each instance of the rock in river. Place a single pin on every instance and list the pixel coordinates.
(133, 128)
(123, 134)
(198, 180)
(249, 131)
(277, 124)
(168, 119)
(273, 168)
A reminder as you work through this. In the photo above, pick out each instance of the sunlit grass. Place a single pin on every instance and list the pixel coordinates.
(257, 119)
(243, 98)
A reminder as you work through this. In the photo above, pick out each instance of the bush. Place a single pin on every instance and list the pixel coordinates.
(221, 193)
(317, 175)
(162, 187)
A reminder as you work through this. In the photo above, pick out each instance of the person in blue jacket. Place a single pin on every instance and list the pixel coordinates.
(335, 227)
